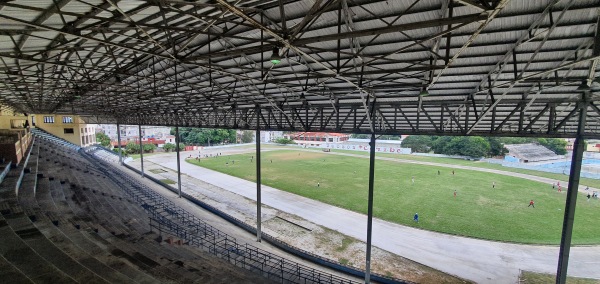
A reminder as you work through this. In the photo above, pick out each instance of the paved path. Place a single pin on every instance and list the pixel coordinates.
(477, 260)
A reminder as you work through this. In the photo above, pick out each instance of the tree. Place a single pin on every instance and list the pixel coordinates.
(558, 146)
(103, 139)
(247, 136)
(360, 136)
(123, 152)
(168, 147)
(472, 146)
(181, 147)
(132, 148)
(496, 147)
(284, 141)
(206, 136)
(439, 143)
(417, 143)
(149, 148)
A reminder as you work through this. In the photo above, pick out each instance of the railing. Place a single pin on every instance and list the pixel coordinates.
(166, 217)
(272, 240)
(20, 179)
(5, 171)
(43, 134)
(250, 257)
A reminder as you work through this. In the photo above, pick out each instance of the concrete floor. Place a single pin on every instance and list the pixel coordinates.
(473, 259)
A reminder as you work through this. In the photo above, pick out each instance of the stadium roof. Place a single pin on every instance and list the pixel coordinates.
(462, 67)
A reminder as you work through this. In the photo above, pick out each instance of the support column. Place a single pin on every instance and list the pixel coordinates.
(119, 143)
(370, 208)
(572, 191)
(141, 147)
(258, 181)
(177, 142)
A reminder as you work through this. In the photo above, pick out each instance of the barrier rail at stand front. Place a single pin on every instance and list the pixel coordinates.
(170, 219)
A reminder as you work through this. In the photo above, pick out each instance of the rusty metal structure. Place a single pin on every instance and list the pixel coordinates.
(468, 67)
(441, 67)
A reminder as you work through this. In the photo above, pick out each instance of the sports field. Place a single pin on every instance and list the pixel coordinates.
(478, 210)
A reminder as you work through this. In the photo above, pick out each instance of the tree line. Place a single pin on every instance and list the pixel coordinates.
(475, 146)
(205, 136)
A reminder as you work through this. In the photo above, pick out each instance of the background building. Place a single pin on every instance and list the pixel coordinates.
(317, 138)
(68, 127)
(131, 132)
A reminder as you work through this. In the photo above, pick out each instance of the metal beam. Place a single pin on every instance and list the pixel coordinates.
(372, 109)
(119, 144)
(569, 217)
(258, 185)
(392, 29)
(141, 148)
(370, 208)
(177, 143)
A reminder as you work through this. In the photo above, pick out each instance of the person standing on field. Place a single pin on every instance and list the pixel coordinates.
(531, 203)
(416, 217)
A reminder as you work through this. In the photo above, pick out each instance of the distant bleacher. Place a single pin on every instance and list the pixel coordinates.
(528, 153)
(75, 219)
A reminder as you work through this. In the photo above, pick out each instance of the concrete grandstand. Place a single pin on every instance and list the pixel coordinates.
(530, 153)
(447, 67)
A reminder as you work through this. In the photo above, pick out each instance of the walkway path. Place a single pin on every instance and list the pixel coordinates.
(477, 260)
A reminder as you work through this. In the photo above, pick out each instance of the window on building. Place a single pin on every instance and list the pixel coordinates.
(330, 139)
(48, 119)
(67, 119)
(69, 130)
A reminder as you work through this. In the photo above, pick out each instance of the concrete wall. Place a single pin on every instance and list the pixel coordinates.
(83, 134)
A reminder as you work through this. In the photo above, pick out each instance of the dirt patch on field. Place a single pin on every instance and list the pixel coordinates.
(350, 251)
(308, 236)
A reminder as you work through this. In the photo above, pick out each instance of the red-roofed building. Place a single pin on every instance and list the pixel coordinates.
(317, 138)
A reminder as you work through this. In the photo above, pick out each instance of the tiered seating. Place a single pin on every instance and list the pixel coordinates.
(19, 259)
(77, 219)
(531, 152)
(75, 215)
(168, 217)
(40, 133)
(103, 154)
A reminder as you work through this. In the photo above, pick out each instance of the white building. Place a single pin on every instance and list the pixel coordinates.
(270, 136)
(130, 132)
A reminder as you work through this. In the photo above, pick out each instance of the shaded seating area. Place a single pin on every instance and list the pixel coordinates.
(528, 153)
(184, 227)
(69, 223)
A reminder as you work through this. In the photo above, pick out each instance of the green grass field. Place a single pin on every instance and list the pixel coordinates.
(477, 211)
(450, 161)
(528, 277)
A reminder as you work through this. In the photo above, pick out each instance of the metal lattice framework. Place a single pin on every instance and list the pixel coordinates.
(451, 67)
